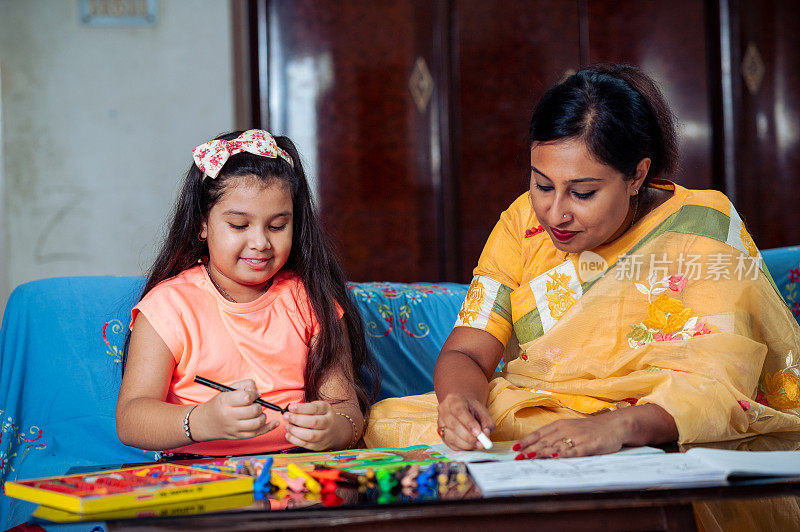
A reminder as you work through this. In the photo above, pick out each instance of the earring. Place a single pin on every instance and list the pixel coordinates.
(200, 238)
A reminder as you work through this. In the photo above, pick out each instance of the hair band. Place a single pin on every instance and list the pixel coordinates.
(211, 156)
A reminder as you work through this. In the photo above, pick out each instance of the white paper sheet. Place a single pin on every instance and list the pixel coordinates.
(502, 452)
(697, 467)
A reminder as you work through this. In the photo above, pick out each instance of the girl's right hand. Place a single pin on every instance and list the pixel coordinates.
(460, 421)
(231, 415)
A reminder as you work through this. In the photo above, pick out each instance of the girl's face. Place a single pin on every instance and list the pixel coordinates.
(580, 202)
(249, 232)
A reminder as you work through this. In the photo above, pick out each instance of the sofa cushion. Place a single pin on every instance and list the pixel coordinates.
(784, 265)
(60, 360)
(406, 325)
(61, 353)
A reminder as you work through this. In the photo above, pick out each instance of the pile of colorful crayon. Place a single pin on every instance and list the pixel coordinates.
(410, 482)
(415, 482)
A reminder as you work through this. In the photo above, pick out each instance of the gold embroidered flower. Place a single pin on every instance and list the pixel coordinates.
(668, 304)
(677, 320)
(667, 314)
(559, 281)
(656, 318)
(782, 390)
(559, 303)
(559, 294)
(747, 241)
(472, 302)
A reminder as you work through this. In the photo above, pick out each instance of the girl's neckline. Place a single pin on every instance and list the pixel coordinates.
(227, 297)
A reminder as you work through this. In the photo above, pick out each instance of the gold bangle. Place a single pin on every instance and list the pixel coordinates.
(355, 430)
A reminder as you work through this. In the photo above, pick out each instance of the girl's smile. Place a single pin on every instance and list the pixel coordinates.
(257, 263)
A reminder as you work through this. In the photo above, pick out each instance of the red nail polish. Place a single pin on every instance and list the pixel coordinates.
(516, 447)
(555, 455)
(532, 454)
(520, 456)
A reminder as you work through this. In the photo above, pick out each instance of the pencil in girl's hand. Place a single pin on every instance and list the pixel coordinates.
(223, 388)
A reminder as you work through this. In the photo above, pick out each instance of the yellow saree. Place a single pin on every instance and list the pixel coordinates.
(679, 311)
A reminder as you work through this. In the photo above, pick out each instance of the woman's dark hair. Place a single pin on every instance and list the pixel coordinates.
(311, 258)
(618, 112)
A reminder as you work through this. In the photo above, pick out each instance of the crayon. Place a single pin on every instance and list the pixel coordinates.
(295, 472)
(278, 481)
(262, 482)
(485, 441)
(223, 388)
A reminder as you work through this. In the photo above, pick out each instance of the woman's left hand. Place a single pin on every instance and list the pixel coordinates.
(573, 437)
(313, 426)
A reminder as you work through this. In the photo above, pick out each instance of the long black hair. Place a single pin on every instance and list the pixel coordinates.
(617, 111)
(311, 258)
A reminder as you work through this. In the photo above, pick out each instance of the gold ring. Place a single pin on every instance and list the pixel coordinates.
(569, 442)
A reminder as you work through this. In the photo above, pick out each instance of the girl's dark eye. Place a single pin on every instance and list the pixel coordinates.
(543, 188)
(237, 227)
(584, 195)
(278, 228)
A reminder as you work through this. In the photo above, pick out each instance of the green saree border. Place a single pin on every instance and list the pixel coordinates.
(699, 220)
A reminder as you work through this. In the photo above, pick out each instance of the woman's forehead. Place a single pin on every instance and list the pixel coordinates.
(568, 160)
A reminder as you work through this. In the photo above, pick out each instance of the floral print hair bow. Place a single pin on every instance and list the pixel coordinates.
(211, 156)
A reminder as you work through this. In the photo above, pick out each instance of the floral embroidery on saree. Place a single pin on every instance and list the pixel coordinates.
(667, 317)
(560, 297)
(472, 302)
(534, 231)
(781, 389)
(747, 242)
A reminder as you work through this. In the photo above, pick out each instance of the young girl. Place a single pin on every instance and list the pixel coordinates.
(245, 292)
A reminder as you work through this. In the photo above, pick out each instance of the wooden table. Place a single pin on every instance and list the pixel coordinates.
(664, 509)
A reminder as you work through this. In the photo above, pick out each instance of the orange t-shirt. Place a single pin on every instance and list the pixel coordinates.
(266, 340)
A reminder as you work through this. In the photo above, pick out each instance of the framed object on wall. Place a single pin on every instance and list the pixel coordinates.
(118, 13)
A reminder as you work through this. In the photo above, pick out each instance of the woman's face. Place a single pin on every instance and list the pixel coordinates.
(580, 202)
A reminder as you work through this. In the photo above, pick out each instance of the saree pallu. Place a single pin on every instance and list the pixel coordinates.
(680, 312)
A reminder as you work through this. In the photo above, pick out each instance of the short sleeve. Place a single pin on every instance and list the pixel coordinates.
(164, 319)
(487, 305)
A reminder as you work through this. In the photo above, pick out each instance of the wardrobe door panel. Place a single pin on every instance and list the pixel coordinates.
(766, 75)
(506, 54)
(353, 82)
(668, 41)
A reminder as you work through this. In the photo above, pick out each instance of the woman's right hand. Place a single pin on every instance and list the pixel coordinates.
(460, 421)
(231, 415)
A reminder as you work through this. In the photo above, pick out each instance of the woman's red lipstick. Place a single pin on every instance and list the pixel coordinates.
(563, 236)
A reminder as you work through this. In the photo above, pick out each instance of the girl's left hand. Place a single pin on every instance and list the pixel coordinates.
(567, 438)
(312, 425)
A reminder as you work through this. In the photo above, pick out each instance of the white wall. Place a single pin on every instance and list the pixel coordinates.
(97, 130)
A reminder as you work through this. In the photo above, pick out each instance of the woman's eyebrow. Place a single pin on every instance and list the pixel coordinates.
(584, 180)
(571, 181)
(534, 169)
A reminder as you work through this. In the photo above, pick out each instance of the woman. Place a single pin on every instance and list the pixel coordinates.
(641, 309)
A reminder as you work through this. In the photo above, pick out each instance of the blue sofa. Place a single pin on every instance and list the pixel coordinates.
(60, 366)
(60, 355)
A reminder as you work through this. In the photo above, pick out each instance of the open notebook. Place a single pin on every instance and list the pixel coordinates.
(696, 467)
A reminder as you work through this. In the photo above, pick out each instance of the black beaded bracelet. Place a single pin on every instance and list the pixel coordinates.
(186, 429)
